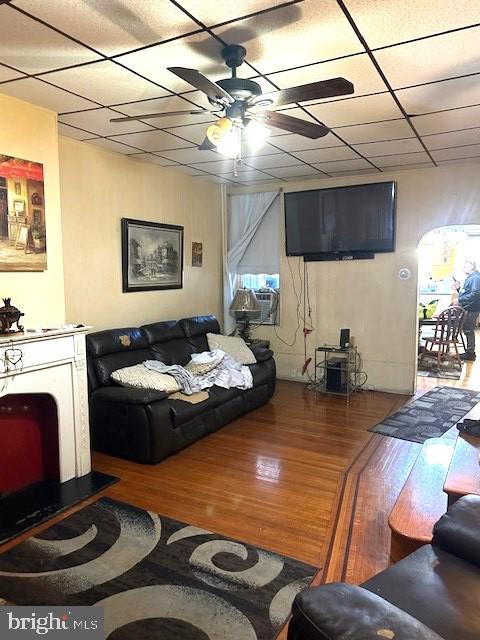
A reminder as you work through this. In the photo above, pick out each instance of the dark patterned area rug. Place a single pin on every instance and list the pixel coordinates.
(432, 370)
(429, 416)
(155, 577)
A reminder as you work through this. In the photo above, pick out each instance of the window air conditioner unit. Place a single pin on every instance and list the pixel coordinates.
(268, 302)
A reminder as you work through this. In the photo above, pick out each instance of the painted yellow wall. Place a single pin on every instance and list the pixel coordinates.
(100, 187)
(30, 132)
(367, 295)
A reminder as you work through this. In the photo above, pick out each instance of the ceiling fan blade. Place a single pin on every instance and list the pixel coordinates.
(291, 124)
(147, 116)
(199, 81)
(312, 91)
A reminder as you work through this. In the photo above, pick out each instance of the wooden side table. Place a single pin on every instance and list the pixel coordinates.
(463, 476)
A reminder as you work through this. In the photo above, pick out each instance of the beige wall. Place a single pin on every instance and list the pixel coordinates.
(367, 295)
(30, 132)
(100, 187)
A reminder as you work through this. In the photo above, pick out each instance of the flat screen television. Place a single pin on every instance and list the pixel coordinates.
(341, 221)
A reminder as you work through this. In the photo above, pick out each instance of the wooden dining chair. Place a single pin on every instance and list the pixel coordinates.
(445, 336)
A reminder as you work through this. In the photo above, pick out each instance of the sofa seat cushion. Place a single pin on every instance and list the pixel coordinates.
(183, 411)
(140, 377)
(435, 587)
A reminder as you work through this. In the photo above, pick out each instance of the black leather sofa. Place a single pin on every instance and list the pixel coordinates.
(433, 593)
(145, 425)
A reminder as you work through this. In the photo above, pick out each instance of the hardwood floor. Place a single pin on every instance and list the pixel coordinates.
(269, 478)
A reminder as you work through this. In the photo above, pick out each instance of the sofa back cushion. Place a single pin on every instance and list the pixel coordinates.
(114, 349)
(167, 342)
(195, 331)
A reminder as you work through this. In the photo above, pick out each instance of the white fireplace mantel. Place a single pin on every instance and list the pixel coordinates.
(53, 362)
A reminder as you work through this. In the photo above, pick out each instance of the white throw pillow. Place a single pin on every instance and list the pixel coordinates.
(140, 377)
(233, 345)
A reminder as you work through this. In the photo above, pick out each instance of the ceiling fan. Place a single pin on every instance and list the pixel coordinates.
(236, 97)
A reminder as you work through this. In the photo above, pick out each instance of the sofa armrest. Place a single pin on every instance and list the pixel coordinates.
(347, 612)
(128, 395)
(457, 531)
(261, 353)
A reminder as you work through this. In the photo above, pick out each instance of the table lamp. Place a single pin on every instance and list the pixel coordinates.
(245, 308)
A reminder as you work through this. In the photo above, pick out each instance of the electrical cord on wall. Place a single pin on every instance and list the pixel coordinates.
(297, 309)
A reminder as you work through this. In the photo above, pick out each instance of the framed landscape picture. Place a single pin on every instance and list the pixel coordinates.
(152, 255)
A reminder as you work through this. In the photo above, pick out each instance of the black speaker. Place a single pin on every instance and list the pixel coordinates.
(336, 375)
(344, 338)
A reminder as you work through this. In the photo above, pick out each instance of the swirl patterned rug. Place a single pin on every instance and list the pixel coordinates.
(155, 577)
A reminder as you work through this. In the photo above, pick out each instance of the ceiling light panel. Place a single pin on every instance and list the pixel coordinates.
(113, 27)
(105, 82)
(467, 117)
(32, 47)
(437, 58)
(390, 21)
(356, 110)
(277, 40)
(44, 95)
(375, 131)
(152, 141)
(449, 94)
(359, 69)
(98, 120)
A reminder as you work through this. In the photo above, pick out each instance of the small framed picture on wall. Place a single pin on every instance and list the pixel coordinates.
(197, 254)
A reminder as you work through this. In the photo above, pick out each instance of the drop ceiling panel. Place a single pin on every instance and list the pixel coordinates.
(344, 165)
(105, 82)
(98, 120)
(358, 69)
(400, 159)
(356, 110)
(375, 131)
(151, 157)
(8, 74)
(269, 162)
(326, 155)
(199, 51)
(113, 27)
(169, 103)
(458, 161)
(436, 58)
(32, 47)
(111, 145)
(457, 152)
(45, 95)
(354, 172)
(191, 171)
(390, 21)
(212, 13)
(73, 132)
(295, 142)
(277, 40)
(220, 166)
(452, 139)
(193, 132)
(191, 155)
(403, 167)
(408, 145)
(460, 92)
(248, 176)
(152, 141)
(294, 171)
(467, 117)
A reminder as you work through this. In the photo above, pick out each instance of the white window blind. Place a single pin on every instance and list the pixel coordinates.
(262, 254)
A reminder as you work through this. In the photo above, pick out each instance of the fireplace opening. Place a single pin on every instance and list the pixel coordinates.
(28, 441)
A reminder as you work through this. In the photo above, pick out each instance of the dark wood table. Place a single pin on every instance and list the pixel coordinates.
(463, 475)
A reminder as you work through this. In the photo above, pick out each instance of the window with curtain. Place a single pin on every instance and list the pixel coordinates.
(253, 252)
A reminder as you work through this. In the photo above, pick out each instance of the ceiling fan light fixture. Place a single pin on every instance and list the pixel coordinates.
(262, 102)
(256, 132)
(217, 131)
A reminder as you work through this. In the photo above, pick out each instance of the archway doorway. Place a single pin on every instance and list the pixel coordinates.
(442, 253)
